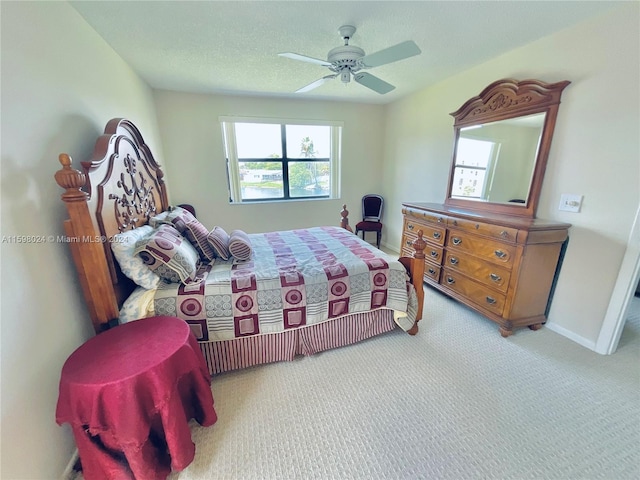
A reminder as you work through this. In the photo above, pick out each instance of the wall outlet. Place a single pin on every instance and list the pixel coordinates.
(570, 202)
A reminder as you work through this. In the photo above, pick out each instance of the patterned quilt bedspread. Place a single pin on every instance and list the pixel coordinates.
(295, 278)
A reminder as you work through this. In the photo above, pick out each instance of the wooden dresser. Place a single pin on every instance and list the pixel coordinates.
(502, 266)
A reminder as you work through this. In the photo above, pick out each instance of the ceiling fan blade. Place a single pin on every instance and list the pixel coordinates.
(373, 82)
(392, 54)
(316, 84)
(304, 58)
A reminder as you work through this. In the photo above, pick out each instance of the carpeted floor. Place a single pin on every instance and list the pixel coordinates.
(457, 401)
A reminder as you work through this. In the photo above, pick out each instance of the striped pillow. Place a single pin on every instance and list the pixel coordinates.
(197, 234)
(219, 241)
(240, 245)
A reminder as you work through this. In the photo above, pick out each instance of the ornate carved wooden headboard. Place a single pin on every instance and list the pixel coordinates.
(118, 189)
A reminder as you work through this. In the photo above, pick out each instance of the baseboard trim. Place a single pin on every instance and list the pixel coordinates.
(591, 345)
(69, 472)
(391, 248)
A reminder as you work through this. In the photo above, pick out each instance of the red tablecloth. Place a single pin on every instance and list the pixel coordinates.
(129, 393)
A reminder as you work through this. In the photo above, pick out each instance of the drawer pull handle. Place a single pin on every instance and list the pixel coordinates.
(409, 243)
(453, 261)
(451, 280)
(455, 223)
(504, 234)
(495, 278)
(500, 254)
(436, 235)
(410, 226)
(491, 300)
(434, 254)
(457, 241)
(432, 271)
(439, 219)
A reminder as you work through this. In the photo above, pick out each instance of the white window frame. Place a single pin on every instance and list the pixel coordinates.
(489, 169)
(231, 150)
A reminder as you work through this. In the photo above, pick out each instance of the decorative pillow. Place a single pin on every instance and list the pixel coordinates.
(240, 245)
(137, 305)
(197, 234)
(168, 216)
(169, 254)
(159, 219)
(123, 247)
(190, 227)
(219, 241)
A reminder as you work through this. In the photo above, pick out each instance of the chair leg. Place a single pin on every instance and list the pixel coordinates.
(378, 236)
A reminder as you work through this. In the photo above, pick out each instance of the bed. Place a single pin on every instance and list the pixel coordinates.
(276, 295)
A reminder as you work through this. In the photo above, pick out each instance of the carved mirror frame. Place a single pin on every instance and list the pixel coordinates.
(507, 99)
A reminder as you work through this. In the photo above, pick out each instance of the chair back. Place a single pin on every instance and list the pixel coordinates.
(372, 207)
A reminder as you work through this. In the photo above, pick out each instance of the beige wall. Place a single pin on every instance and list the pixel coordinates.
(196, 165)
(60, 84)
(595, 153)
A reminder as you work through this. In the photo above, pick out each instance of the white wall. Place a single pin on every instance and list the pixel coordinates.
(595, 152)
(60, 84)
(196, 165)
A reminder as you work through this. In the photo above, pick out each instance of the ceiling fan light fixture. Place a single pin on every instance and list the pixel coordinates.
(345, 76)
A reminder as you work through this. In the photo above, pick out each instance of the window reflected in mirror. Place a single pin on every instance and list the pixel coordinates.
(495, 162)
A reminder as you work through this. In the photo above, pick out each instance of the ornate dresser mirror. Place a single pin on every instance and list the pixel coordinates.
(502, 141)
(485, 246)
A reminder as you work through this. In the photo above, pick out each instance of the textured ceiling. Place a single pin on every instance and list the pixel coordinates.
(232, 47)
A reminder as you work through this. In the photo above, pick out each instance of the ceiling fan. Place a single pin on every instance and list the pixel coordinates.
(348, 60)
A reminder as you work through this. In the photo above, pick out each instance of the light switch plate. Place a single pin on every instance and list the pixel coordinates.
(570, 202)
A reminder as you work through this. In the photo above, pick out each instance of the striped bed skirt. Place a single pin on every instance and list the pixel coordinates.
(245, 352)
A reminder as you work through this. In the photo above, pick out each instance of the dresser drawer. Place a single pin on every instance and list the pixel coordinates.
(424, 216)
(431, 269)
(486, 229)
(475, 292)
(490, 274)
(490, 250)
(430, 233)
(432, 272)
(432, 253)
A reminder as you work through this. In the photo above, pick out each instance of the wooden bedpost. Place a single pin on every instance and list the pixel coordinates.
(415, 267)
(344, 221)
(86, 246)
(417, 271)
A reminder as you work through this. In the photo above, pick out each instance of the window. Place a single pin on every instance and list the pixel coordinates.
(473, 161)
(278, 160)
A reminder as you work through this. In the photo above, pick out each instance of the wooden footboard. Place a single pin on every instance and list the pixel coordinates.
(414, 265)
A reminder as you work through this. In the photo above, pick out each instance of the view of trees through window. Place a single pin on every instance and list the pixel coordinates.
(283, 161)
